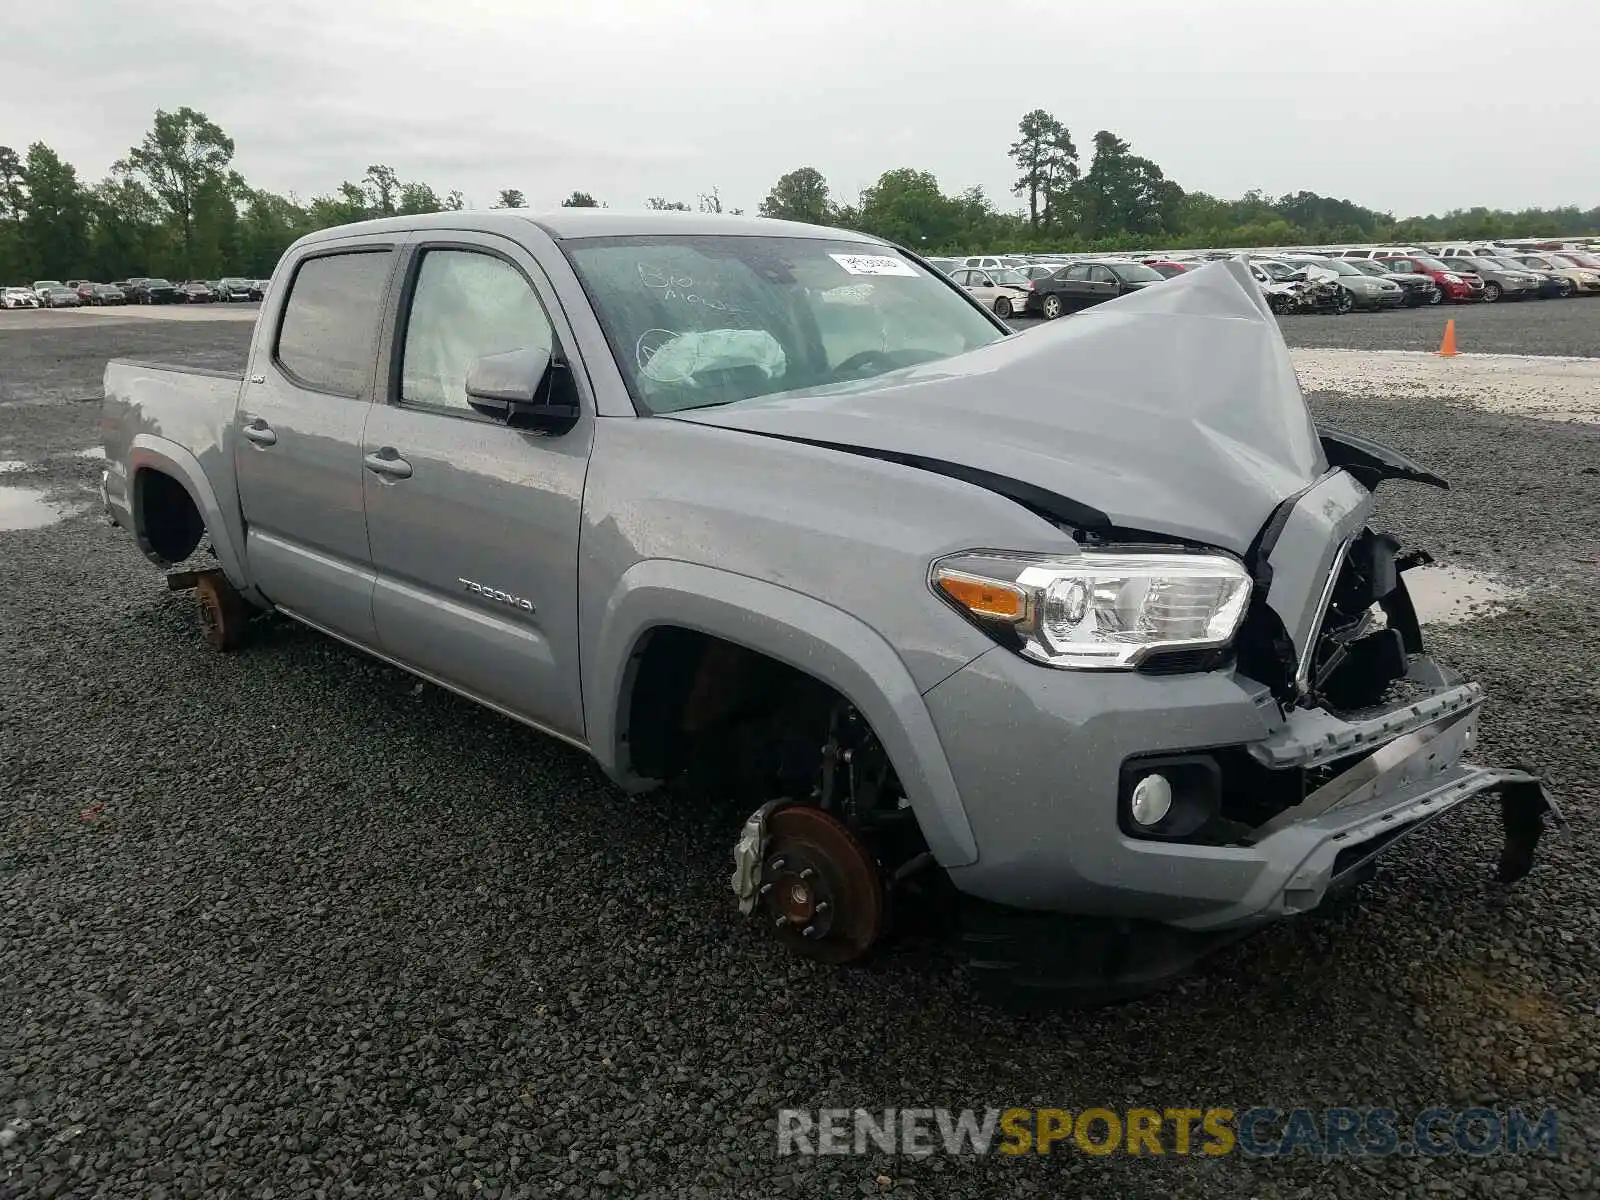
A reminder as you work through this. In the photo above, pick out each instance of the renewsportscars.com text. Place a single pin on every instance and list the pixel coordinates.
(1261, 1132)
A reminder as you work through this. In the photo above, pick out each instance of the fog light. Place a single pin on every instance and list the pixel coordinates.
(1151, 800)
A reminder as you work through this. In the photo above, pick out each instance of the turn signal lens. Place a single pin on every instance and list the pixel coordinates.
(984, 597)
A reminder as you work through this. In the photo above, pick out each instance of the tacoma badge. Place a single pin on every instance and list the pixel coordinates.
(489, 593)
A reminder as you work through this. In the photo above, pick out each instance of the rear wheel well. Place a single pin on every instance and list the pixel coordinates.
(168, 520)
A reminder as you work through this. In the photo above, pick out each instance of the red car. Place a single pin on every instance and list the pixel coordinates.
(1169, 268)
(1453, 286)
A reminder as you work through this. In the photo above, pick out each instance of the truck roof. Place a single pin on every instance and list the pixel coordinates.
(562, 223)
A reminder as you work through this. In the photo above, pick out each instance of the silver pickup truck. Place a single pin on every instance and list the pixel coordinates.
(1084, 626)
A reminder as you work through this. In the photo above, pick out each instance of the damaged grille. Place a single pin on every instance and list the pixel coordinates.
(1365, 635)
(1368, 629)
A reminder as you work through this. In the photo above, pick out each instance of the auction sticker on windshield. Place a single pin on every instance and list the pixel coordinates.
(873, 264)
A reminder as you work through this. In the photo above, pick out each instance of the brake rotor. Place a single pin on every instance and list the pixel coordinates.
(820, 887)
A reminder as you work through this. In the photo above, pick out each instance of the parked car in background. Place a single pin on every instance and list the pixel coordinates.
(41, 286)
(1005, 290)
(258, 288)
(942, 265)
(1584, 280)
(1458, 287)
(103, 293)
(1365, 291)
(1087, 282)
(152, 290)
(1168, 267)
(1553, 285)
(987, 261)
(61, 296)
(1283, 285)
(18, 297)
(1587, 259)
(1417, 289)
(196, 291)
(1040, 270)
(1498, 281)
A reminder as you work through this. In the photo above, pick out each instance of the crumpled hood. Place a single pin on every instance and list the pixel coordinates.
(1172, 410)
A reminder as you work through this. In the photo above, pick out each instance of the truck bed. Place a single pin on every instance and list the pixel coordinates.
(175, 418)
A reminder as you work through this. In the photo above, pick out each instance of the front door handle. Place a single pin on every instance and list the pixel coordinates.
(259, 432)
(388, 462)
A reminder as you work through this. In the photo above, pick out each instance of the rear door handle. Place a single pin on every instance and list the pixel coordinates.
(259, 432)
(388, 462)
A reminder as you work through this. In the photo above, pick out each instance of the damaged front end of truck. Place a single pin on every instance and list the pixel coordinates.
(1134, 812)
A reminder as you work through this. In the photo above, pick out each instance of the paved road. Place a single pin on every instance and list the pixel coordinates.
(288, 920)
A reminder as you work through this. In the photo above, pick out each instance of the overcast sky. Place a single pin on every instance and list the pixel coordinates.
(1407, 105)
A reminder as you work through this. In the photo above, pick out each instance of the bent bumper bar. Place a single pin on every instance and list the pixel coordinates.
(1061, 960)
(1387, 797)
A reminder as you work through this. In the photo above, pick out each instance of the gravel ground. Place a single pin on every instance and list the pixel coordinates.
(1566, 327)
(290, 924)
(1510, 327)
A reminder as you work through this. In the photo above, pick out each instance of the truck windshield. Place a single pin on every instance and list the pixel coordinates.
(696, 321)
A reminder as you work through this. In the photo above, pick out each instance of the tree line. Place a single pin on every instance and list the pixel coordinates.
(175, 206)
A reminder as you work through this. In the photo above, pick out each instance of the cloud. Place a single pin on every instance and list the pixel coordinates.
(1411, 107)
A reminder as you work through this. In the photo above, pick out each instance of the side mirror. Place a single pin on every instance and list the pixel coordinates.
(512, 385)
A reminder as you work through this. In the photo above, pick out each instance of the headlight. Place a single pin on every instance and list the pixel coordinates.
(1452, 278)
(1098, 611)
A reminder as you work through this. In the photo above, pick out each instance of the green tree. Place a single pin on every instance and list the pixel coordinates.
(55, 226)
(1124, 193)
(906, 206)
(349, 203)
(511, 198)
(1048, 160)
(580, 200)
(268, 225)
(126, 235)
(454, 202)
(382, 183)
(184, 153)
(215, 248)
(801, 195)
(418, 198)
(711, 202)
(13, 252)
(662, 204)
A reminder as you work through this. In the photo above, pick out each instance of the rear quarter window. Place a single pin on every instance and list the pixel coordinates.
(327, 337)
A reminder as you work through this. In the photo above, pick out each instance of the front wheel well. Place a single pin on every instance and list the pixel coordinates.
(168, 520)
(698, 702)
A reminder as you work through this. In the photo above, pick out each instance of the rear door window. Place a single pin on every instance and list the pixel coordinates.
(327, 338)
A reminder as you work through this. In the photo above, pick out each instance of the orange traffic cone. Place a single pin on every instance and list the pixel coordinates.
(1447, 348)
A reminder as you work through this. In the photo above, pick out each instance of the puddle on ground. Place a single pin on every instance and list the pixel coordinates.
(1451, 595)
(27, 508)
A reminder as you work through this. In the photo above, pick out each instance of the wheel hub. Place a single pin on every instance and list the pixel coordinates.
(820, 887)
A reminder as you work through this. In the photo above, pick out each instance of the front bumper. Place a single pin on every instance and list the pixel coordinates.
(1041, 790)
(1306, 794)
